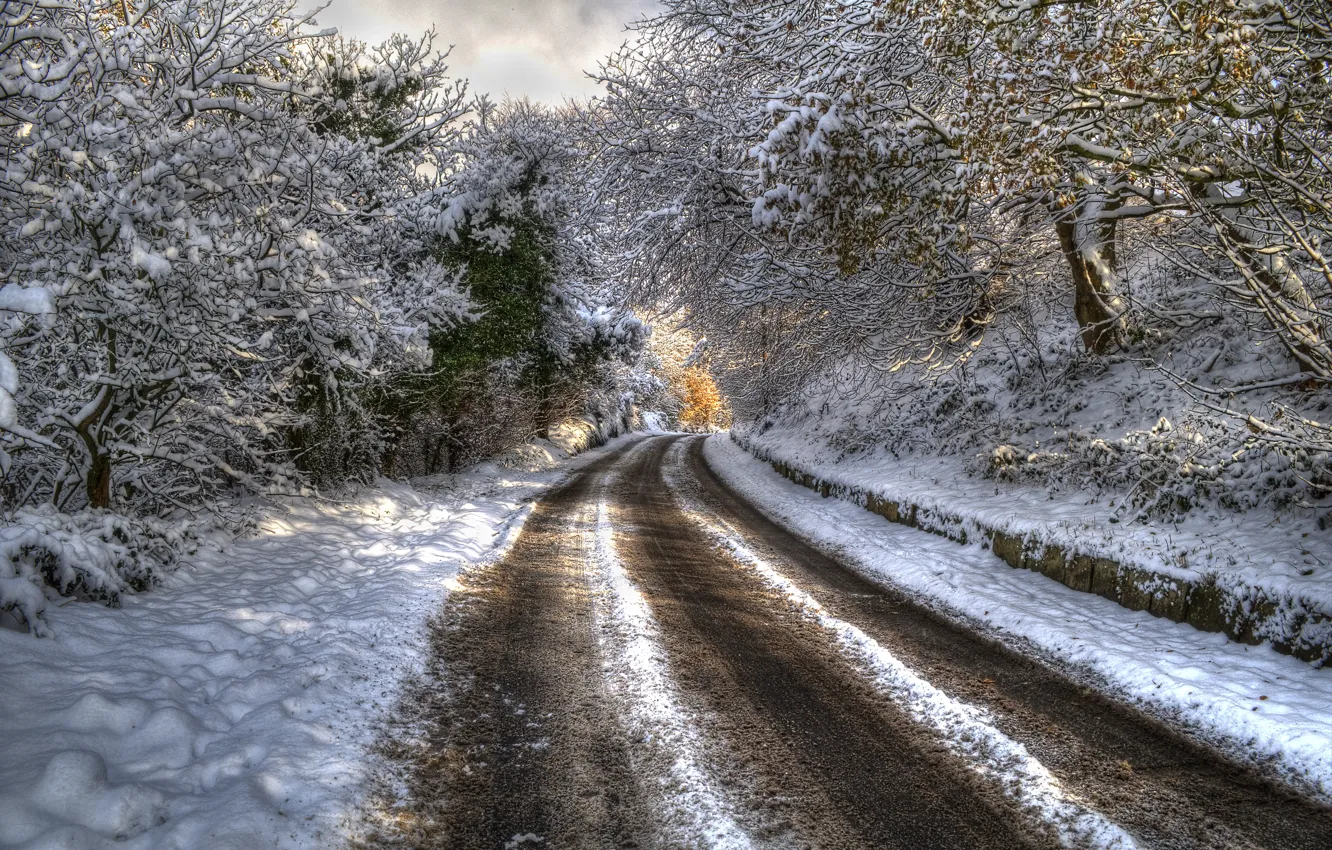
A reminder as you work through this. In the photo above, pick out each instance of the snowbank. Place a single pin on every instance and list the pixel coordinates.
(1261, 707)
(1258, 576)
(232, 708)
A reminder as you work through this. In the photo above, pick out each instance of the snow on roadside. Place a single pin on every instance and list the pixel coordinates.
(638, 674)
(964, 729)
(1285, 556)
(1258, 706)
(233, 707)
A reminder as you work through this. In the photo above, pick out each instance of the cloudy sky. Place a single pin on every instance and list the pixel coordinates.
(533, 48)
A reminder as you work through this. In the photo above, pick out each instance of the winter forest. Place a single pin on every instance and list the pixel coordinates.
(243, 255)
(1080, 248)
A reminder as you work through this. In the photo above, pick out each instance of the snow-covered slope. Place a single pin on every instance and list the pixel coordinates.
(1271, 570)
(233, 707)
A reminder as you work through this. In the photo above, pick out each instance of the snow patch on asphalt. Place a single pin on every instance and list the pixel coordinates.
(965, 729)
(639, 676)
(1258, 706)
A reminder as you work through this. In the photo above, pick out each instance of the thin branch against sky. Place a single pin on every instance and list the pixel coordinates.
(525, 48)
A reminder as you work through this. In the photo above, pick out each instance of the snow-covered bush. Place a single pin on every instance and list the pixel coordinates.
(91, 554)
(1176, 424)
(1170, 469)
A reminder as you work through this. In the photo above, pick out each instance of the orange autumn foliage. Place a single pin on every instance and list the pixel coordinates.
(703, 407)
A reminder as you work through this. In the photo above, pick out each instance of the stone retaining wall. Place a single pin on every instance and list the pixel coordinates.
(1247, 614)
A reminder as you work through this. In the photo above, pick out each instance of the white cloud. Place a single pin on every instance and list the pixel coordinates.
(523, 47)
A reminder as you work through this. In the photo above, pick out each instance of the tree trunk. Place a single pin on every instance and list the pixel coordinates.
(434, 451)
(1088, 244)
(99, 481)
(544, 416)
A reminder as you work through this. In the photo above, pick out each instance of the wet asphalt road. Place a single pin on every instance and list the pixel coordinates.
(523, 744)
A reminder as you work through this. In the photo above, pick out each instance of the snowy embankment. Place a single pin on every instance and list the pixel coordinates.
(233, 707)
(1258, 576)
(1257, 705)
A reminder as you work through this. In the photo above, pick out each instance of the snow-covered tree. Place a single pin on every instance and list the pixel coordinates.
(930, 147)
(517, 223)
(212, 248)
(1114, 110)
(764, 169)
(398, 105)
(215, 247)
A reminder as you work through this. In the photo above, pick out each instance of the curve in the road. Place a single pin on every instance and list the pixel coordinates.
(532, 740)
(853, 770)
(1168, 791)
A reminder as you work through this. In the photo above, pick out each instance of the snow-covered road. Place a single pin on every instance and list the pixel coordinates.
(657, 664)
(648, 657)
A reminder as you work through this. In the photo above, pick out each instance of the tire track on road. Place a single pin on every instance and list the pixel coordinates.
(1168, 791)
(524, 746)
(848, 767)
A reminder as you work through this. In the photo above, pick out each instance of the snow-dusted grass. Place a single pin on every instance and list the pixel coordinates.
(234, 707)
(1257, 705)
(638, 674)
(966, 730)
